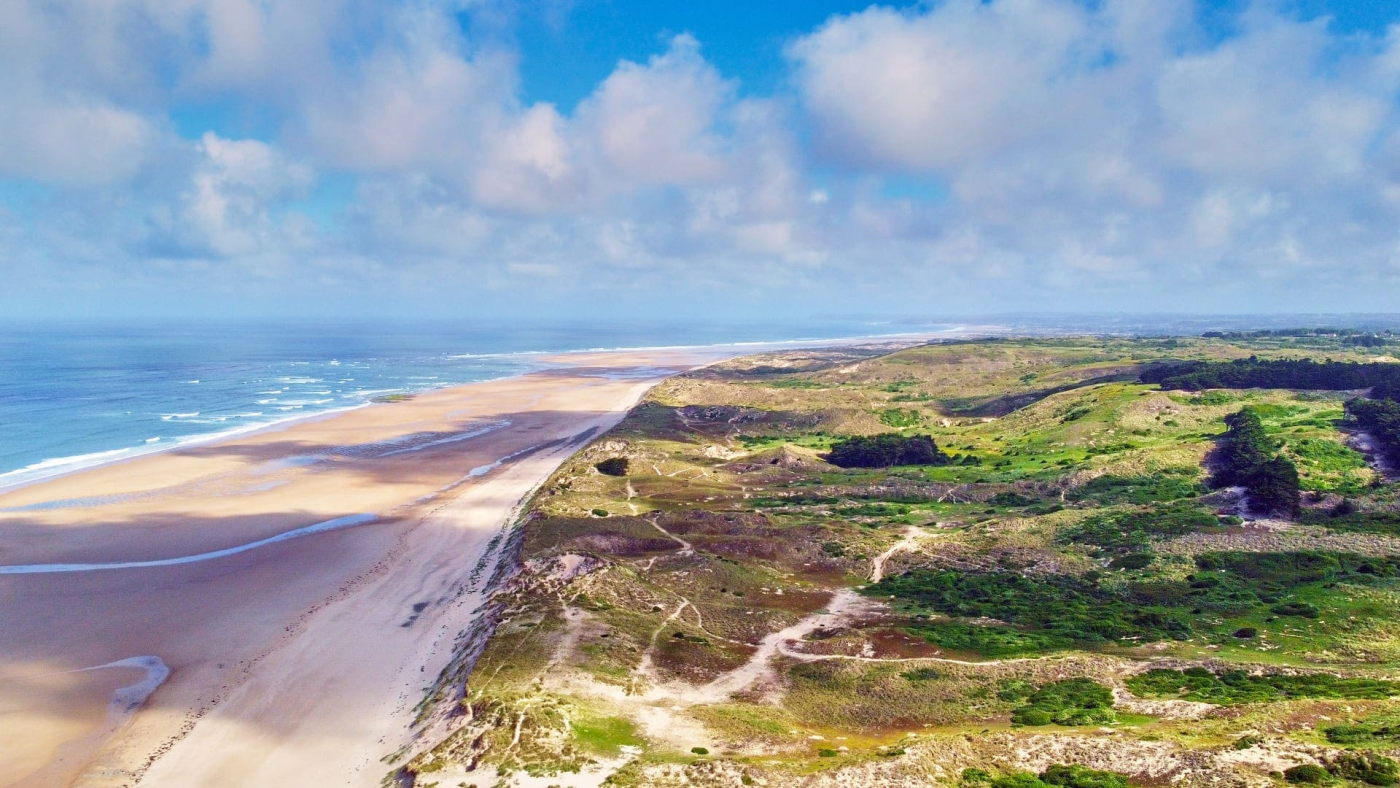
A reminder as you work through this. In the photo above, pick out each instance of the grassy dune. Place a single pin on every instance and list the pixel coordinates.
(1072, 544)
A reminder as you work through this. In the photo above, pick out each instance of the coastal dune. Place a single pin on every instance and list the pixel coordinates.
(300, 587)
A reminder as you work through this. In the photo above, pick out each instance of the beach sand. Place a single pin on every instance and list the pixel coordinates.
(298, 662)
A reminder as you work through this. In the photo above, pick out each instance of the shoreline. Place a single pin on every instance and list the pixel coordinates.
(225, 560)
(68, 465)
(342, 626)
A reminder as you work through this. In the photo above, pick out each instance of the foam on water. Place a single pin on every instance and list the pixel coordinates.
(74, 397)
(328, 525)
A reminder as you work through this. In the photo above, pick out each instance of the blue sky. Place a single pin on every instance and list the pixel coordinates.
(725, 159)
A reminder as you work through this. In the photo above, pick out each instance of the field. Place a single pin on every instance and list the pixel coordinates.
(1064, 600)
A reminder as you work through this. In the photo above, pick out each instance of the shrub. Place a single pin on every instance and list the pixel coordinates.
(922, 674)
(1063, 608)
(700, 750)
(973, 775)
(613, 466)
(1018, 780)
(1246, 741)
(1078, 701)
(1300, 609)
(1076, 776)
(1031, 716)
(600, 512)
(1305, 774)
(1132, 531)
(1365, 767)
(989, 641)
(883, 451)
(1232, 687)
(1349, 734)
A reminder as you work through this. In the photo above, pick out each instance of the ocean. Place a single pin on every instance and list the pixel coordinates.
(75, 396)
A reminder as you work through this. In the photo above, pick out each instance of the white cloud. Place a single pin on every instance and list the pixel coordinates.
(227, 209)
(1074, 153)
(653, 123)
(926, 90)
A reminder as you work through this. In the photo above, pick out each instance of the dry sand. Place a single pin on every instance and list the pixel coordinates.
(297, 662)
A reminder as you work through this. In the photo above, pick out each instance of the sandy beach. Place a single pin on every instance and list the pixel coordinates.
(268, 609)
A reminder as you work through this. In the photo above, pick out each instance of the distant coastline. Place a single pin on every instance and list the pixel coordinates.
(520, 362)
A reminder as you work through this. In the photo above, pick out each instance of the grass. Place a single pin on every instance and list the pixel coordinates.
(1235, 687)
(1078, 701)
(1053, 543)
(605, 735)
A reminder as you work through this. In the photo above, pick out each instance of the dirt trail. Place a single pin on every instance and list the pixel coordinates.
(1369, 447)
(912, 536)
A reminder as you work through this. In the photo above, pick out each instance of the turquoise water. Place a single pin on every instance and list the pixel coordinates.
(79, 395)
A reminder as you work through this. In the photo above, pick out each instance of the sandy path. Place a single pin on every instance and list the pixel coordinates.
(912, 536)
(286, 653)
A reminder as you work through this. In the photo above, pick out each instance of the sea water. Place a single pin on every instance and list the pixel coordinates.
(79, 395)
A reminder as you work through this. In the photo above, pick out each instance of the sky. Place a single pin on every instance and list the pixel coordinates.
(711, 160)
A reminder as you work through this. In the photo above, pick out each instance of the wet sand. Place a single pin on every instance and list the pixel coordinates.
(295, 656)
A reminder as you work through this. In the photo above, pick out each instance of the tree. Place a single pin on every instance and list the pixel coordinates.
(613, 466)
(883, 451)
(1273, 487)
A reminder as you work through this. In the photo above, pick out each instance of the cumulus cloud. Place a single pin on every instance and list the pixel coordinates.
(1118, 141)
(227, 207)
(949, 155)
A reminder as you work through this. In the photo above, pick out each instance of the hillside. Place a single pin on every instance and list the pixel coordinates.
(1063, 588)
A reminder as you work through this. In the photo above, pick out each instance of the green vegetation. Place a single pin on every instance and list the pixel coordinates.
(1068, 702)
(613, 466)
(1065, 776)
(1135, 530)
(900, 418)
(1253, 372)
(1171, 484)
(1233, 687)
(1367, 767)
(1381, 418)
(1063, 608)
(1306, 774)
(1065, 528)
(1362, 734)
(1245, 458)
(989, 640)
(883, 451)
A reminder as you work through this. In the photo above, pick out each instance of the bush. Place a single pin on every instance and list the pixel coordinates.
(1349, 734)
(1056, 609)
(613, 466)
(976, 776)
(1031, 716)
(1076, 776)
(883, 451)
(1078, 701)
(700, 750)
(1131, 531)
(1232, 687)
(1365, 767)
(1247, 741)
(1246, 633)
(989, 641)
(599, 512)
(1305, 774)
(1018, 780)
(1300, 609)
